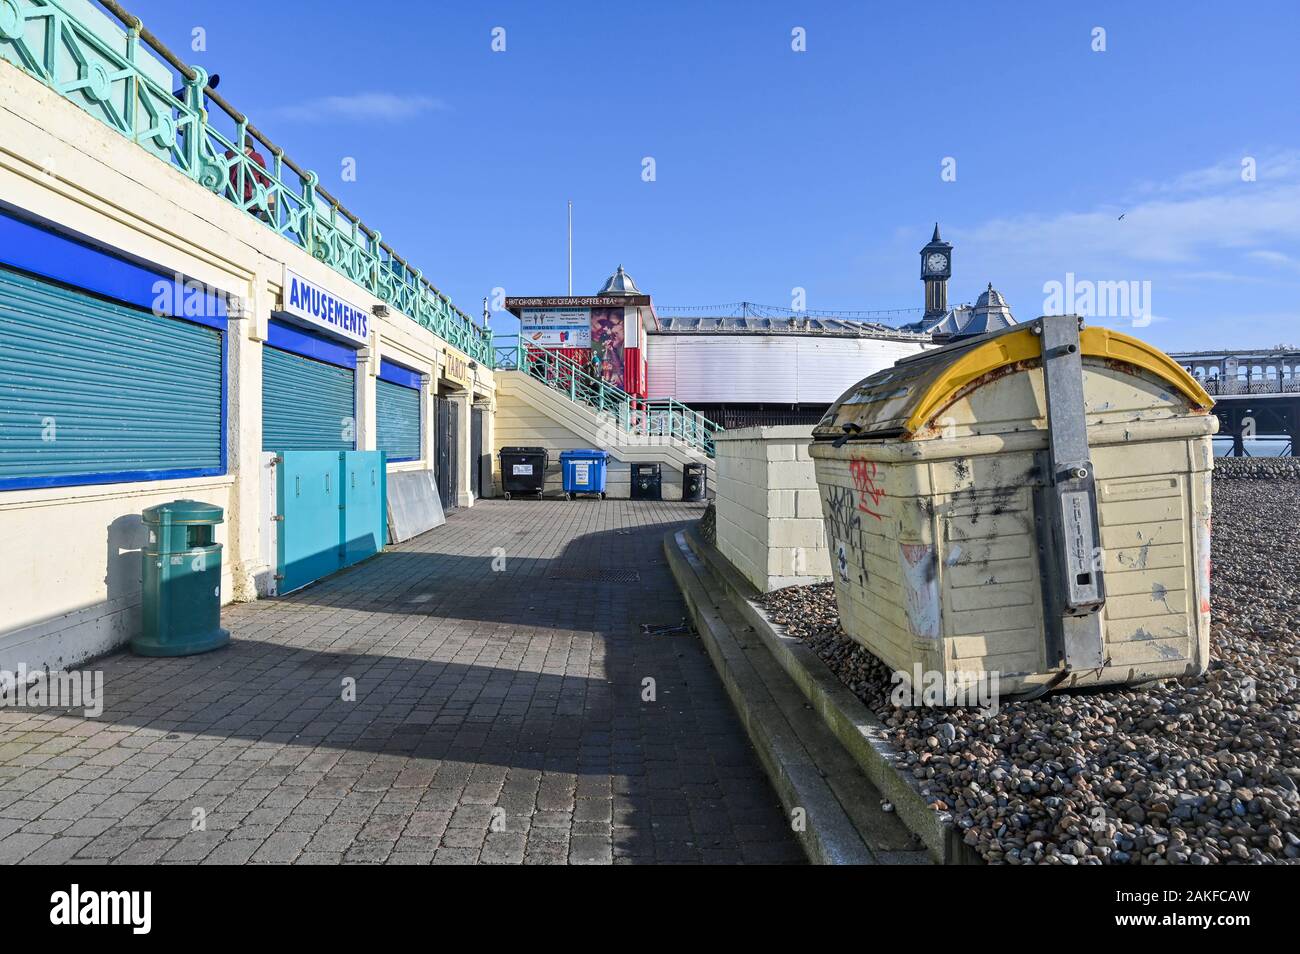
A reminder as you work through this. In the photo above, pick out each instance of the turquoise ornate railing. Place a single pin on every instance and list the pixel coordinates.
(86, 59)
(660, 418)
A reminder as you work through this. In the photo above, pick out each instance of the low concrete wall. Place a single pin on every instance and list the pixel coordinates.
(769, 513)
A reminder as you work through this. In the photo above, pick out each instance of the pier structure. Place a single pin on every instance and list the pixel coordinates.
(1256, 393)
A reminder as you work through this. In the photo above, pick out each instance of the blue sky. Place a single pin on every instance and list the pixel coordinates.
(777, 169)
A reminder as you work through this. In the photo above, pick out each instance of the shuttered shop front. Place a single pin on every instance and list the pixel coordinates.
(397, 412)
(308, 392)
(98, 384)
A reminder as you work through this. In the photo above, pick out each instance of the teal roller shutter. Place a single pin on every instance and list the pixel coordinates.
(92, 391)
(306, 404)
(397, 420)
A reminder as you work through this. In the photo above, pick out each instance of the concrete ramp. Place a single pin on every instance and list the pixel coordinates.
(530, 414)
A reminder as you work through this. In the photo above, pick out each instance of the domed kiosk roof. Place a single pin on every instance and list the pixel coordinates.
(991, 313)
(620, 283)
(992, 299)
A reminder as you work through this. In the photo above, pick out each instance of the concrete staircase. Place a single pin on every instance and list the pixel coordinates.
(532, 414)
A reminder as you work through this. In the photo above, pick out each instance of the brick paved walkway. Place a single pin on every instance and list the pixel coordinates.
(498, 718)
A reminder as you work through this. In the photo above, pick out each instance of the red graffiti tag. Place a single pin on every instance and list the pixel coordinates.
(864, 479)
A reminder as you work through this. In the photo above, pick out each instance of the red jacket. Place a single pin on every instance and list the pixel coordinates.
(250, 175)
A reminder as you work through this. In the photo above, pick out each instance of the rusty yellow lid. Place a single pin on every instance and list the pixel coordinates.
(903, 400)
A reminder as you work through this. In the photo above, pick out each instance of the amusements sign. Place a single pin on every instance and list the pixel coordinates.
(556, 327)
(314, 305)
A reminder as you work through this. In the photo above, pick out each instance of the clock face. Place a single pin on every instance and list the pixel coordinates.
(936, 262)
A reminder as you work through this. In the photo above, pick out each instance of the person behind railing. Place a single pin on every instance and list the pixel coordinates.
(183, 129)
(252, 178)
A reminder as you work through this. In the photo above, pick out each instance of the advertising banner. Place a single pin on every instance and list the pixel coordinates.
(556, 327)
(607, 344)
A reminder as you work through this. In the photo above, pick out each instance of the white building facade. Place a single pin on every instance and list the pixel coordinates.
(156, 341)
(767, 371)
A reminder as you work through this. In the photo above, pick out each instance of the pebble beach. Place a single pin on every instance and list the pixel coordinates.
(1201, 770)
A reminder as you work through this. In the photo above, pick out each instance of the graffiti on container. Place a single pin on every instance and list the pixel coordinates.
(921, 588)
(844, 530)
(1160, 594)
(864, 475)
(842, 520)
(1165, 651)
(1138, 562)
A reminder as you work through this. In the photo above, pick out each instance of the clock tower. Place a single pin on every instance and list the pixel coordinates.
(936, 269)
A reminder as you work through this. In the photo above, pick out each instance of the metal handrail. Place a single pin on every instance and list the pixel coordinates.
(179, 129)
(1229, 386)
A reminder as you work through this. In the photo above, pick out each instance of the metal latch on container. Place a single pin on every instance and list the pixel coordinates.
(849, 430)
(1072, 493)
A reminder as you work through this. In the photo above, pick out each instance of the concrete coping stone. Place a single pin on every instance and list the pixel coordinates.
(856, 727)
(779, 432)
(829, 835)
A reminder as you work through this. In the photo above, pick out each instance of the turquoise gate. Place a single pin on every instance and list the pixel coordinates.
(330, 510)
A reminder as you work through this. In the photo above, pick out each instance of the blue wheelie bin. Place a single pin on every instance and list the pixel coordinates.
(584, 472)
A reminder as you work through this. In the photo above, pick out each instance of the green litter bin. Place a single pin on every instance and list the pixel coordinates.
(181, 581)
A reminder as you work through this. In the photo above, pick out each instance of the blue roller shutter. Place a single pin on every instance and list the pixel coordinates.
(92, 391)
(306, 404)
(397, 411)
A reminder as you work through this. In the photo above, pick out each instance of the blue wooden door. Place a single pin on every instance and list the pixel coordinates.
(365, 519)
(309, 498)
(333, 513)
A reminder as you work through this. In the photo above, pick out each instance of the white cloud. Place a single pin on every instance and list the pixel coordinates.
(1204, 218)
(1272, 257)
(362, 107)
(1212, 246)
(1270, 166)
